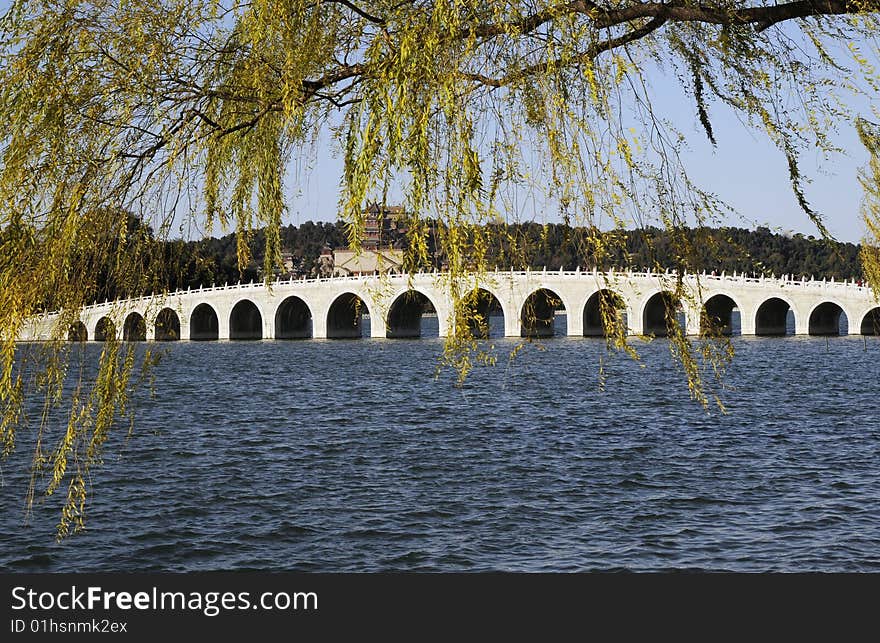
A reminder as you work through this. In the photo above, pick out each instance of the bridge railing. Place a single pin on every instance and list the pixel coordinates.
(735, 278)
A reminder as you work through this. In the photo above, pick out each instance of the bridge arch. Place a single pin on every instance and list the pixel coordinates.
(604, 303)
(717, 315)
(538, 315)
(167, 326)
(245, 321)
(293, 319)
(482, 311)
(204, 325)
(78, 332)
(871, 322)
(105, 329)
(405, 314)
(655, 311)
(135, 328)
(345, 317)
(828, 318)
(771, 318)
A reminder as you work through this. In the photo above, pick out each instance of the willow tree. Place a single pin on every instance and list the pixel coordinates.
(188, 114)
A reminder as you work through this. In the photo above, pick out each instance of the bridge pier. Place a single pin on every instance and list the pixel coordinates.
(443, 322)
(378, 324)
(223, 324)
(692, 316)
(574, 323)
(512, 327)
(319, 326)
(635, 323)
(268, 327)
(801, 321)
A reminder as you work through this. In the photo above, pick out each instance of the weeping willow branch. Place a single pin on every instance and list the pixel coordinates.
(869, 133)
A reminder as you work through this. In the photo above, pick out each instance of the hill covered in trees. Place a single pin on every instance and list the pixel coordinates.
(553, 246)
(760, 252)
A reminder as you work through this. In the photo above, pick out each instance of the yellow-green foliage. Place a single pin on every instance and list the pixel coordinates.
(870, 180)
(181, 115)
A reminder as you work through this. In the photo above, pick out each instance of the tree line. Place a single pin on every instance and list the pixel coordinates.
(179, 264)
(723, 249)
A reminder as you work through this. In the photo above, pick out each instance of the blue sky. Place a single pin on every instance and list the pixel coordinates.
(751, 174)
(745, 170)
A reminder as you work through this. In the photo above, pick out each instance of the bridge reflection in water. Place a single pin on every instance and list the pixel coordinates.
(512, 304)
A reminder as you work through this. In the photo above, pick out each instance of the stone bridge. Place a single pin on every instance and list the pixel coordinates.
(530, 303)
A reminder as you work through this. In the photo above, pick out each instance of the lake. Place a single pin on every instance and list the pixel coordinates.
(350, 455)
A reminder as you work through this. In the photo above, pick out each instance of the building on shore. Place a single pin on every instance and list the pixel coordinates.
(380, 250)
(352, 263)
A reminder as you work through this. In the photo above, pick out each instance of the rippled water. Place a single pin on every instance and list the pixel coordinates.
(351, 456)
